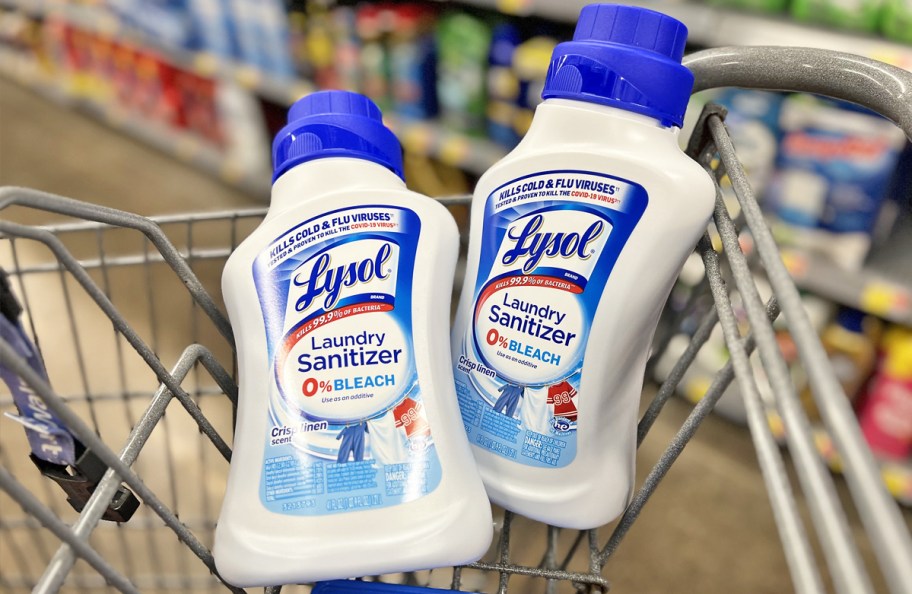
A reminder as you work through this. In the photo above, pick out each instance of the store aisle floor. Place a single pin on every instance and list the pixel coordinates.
(707, 529)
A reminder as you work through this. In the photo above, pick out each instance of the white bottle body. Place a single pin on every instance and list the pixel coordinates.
(530, 471)
(444, 524)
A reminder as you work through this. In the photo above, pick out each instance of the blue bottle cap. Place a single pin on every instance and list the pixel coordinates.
(335, 124)
(851, 319)
(626, 57)
(356, 587)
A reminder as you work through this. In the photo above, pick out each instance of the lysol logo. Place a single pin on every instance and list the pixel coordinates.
(535, 245)
(325, 278)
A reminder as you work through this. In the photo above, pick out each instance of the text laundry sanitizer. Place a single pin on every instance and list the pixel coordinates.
(349, 458)
(577, 236)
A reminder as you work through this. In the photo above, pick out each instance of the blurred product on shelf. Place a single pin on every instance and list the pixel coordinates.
(272, 37)
(463, 44)
(297, 40)
(134, 80)
(835, 184)
(476, 72)
(372, 25)
(851, 345)
(714, 354)
(855, 345)
(835, 166)
(413, 62)
(758, 5)
(503, 85)
(886, 413)
(246, 136)
(169, 22)
(698, 377)
(214, 26)
(434, 178)
(863, 15)
(892, 336)
(252, 31)
(244, 30)
(689, 297)
(530, 66)
(324, 32)
(820, 312)
(198, 105)
(346, 49)
(896, 22)
(261, 28)
(753, 121)
(892, 18)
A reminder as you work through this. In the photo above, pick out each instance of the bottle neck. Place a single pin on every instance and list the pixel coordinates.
(554, 116)
(312, 179)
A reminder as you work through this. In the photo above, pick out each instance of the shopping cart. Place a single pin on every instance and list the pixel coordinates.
(116, 370)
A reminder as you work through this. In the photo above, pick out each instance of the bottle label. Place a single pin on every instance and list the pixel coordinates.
(347, 428)
(548, 245)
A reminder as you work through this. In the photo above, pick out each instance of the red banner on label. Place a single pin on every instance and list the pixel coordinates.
(329, 317)
(529, 280)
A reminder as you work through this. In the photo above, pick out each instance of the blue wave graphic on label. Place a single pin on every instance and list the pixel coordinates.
(549, 243)
(347, 425)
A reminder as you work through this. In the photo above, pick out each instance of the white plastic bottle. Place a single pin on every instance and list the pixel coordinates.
(349, 457)
(577, 236)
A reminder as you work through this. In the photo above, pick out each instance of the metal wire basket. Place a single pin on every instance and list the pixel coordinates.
(115, 370)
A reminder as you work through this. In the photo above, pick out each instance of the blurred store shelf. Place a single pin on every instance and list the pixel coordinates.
(883, 288)
(474, 155)
(98, 20)
(453, 148)
(896, 474)
(715, 26)
(185, 147)
(708, 25)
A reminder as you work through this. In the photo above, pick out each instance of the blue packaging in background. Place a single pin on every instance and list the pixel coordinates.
(270, 30)
(834, 168)
(166, 22)
(753, 122)
(213, 27)
(244, 19)
(503, 85)
(413, 62)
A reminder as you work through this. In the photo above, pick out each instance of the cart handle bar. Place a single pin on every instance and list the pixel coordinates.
(878, 86)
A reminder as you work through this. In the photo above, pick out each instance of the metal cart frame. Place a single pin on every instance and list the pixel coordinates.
(880, 87)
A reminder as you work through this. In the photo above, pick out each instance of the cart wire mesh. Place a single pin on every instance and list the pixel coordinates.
(112, 387)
